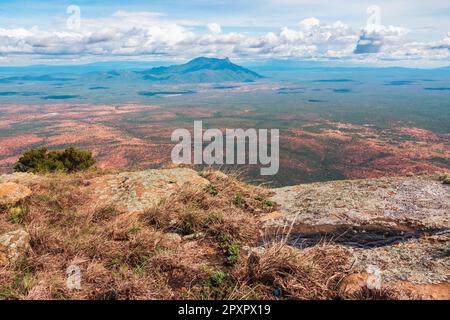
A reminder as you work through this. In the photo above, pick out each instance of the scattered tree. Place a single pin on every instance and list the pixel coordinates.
(40, 160)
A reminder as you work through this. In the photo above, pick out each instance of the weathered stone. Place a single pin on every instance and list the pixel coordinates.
(383, 201)
(11, 193)
(138, 191)
(193, 236)
(170, 240)
(13, 245)
(400, 225)
(219, 175)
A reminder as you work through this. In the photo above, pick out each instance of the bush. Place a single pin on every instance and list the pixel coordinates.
(445, 178)
(40, 160)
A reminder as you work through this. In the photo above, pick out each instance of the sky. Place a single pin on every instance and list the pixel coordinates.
(395, 32)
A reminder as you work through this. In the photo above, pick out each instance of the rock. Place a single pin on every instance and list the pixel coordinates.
(194, 236)
(357, 282)
(419, 261)
(218, 175)
(170, 240)
(399, 225)
(174, 236)
(13, 245)
(139, 191)
(353, 283)
(11, 193)
(383, 201)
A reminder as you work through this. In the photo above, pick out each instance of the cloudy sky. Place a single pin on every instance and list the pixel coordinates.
(395, 32)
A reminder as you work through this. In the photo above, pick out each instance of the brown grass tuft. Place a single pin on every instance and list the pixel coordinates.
(312, 273)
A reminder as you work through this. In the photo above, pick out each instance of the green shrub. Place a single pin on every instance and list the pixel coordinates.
(238, 200)
(18, 215)
(212, 190)
(230, 248)
(445, 178)
(216, 279)
(264, 203)
(40, 160)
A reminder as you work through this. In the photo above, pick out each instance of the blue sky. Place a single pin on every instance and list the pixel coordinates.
(398, 32)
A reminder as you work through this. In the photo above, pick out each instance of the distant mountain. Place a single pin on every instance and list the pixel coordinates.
(201, 70)
(33, 78)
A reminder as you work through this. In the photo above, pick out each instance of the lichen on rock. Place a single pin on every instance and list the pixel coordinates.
(13, 246)
(11, 193)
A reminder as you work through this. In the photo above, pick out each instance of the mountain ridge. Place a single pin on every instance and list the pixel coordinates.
(202, 70)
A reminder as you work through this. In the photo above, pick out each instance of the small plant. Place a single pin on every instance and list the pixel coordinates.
(212, 190)
(445, 178)
(264, 202)
(216, 279)
(17, 215)
(230, 248)
(187, 224)
(238, 200)
(217, 286)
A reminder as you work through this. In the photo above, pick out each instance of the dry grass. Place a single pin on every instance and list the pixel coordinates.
(312, 273)
(140, 256)
(110, 249)
(126, 256)
(226, 207)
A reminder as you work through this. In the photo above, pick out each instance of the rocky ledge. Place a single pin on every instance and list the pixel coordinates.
(399, 227)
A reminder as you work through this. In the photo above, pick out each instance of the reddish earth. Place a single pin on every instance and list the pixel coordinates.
(138, 136)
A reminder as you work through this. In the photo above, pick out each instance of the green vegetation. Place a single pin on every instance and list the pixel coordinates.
(218, 285)
(212, 190)
(230, 248)
(264, 202)
(238, 200)
(216, 279)
(17, 215)
(40, 160)
(445, 178)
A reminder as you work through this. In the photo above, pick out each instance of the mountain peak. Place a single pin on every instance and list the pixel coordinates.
(202, 70)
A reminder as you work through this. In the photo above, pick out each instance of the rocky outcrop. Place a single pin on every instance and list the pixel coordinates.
(138, 191)
(389, 202)
(11, 193)
(13, 246)
(399, 226)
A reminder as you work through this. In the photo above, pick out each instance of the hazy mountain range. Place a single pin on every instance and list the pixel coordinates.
(202, 70)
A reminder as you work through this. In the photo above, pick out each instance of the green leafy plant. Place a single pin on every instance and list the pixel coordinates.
(230, 248)
(212, 190)
(18, 215)
(238, 200)
(40, 160)
(264, 202)
(216, 279)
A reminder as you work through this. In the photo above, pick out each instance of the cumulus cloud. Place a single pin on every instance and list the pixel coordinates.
(136, 34)
(373, 37)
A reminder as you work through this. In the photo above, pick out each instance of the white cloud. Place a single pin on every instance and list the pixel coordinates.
(136, 34)
(309, 23)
